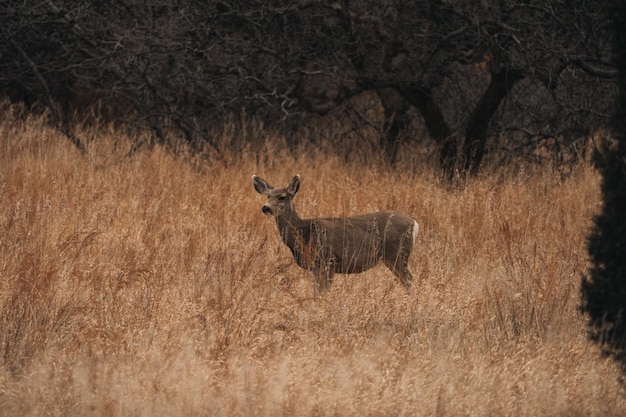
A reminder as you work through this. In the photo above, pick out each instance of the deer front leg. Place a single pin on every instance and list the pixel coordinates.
(316, 282)
(323, 277)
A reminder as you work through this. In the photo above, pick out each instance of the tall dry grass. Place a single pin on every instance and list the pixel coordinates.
(153, 285)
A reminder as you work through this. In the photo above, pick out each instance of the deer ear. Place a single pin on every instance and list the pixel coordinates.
(294, 185)
(261, 186)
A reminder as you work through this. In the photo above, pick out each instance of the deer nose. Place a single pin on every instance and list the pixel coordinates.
(266, 210)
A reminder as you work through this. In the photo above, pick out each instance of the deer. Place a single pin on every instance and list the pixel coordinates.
(345, 245)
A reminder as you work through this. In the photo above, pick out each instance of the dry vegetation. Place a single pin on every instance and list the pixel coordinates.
(153, 285)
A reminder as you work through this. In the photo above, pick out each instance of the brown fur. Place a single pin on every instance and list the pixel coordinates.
(344, 245)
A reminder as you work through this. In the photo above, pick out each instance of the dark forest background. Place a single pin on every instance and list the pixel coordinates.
(463, 79)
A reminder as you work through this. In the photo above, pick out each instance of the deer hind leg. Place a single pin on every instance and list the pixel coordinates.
(399, 267)
(399, 264)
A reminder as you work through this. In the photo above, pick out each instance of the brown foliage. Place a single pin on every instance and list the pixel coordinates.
(154, 285)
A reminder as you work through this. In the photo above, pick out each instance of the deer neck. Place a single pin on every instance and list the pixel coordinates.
(290, 226)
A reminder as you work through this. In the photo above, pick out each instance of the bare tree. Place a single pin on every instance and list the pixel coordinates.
(477, 75)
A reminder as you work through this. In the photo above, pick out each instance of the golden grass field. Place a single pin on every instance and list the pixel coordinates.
(152, 285)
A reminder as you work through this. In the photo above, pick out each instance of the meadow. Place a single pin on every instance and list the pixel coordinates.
(153, 284)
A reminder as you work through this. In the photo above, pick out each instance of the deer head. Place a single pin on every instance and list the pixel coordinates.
(279, 200)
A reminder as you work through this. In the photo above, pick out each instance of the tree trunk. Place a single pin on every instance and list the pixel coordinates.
(476, 131)
(396, 120)
(421, 97)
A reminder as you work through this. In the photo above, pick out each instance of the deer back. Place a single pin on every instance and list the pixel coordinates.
(350, 244)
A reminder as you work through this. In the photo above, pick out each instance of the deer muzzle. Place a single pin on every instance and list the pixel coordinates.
(266, 210)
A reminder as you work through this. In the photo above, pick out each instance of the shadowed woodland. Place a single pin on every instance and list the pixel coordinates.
(463, 80)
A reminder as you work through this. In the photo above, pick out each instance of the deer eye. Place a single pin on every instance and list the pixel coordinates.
(282, 198)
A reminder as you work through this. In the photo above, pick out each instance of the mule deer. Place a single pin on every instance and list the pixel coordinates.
(345, 245)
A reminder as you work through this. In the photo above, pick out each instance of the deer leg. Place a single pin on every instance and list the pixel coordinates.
(316, 282)
(329, 275)
(323, 279)
(401, 270)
